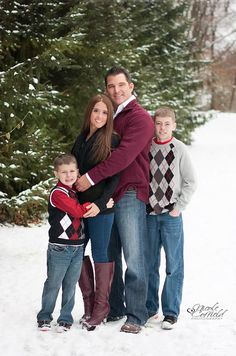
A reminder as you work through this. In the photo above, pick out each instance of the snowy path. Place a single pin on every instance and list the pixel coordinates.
(210, 270)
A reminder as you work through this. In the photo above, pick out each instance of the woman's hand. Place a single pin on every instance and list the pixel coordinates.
(110, 203)
(93, 210)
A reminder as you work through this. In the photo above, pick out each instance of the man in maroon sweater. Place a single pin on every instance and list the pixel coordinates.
(131, 158)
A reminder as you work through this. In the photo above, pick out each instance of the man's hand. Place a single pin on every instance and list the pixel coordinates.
(93, 210)
(82, 183)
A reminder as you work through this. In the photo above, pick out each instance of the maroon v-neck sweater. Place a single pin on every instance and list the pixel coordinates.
(131, 158)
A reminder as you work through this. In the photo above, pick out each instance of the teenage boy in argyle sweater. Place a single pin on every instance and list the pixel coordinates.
(172, 183)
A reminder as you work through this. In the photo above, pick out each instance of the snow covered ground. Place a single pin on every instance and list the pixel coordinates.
(210, 274)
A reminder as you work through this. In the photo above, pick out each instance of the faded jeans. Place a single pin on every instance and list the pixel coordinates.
(167, 232)
(129, 233)
(63, 270)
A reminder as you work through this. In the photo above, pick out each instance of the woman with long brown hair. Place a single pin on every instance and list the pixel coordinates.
(92, 146)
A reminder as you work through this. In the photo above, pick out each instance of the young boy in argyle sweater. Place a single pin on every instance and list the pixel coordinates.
(65, 248)
(172, 183)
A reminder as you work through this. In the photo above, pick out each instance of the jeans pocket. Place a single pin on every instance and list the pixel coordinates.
(173, 217)
(57, 248)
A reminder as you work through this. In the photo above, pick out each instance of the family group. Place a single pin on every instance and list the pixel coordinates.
(122, 187)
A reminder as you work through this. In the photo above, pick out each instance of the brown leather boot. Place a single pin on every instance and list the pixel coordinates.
(86, 283)
(103, 274)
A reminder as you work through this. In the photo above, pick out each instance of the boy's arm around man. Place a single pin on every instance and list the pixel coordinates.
(68, 204)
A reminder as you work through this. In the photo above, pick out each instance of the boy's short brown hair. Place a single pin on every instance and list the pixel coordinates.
(165, 111)
(65, 158)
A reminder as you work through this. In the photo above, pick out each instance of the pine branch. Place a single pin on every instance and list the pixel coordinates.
(18, 126)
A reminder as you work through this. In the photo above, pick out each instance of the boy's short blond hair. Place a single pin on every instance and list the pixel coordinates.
(65, 158)
(165, 111)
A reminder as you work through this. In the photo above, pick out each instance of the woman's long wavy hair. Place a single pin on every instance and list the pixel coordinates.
(102, 146)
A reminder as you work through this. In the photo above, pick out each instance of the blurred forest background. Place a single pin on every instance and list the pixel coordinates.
(53, 57)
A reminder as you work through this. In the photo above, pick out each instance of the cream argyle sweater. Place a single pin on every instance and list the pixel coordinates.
(172, 177)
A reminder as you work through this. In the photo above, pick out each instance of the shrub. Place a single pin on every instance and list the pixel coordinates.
(29, 207)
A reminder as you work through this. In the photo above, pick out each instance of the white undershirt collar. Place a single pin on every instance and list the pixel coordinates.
(123, 105)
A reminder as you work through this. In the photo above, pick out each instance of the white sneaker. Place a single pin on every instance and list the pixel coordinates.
(63, 327)
(153, 321)
(44, 325)
(169, 322)
(153, 317)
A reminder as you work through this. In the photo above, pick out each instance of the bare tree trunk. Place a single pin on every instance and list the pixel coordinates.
(231, 103)
(207, 18)
(213, 28)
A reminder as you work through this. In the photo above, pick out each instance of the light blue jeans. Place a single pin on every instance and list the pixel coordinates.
(63, 270)
(167, 232)
(130, 234)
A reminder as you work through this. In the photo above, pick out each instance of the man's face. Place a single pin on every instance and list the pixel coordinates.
(118, 88)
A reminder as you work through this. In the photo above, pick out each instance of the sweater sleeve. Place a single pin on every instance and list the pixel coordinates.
(111, 182)
(137, 134)
(67, 204)
(188, 178)
(109, 189)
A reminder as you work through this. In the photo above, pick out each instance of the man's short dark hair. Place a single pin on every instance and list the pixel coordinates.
(118, 70)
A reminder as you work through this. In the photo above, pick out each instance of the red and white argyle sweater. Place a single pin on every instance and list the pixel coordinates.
(65, 215)
(172, 178)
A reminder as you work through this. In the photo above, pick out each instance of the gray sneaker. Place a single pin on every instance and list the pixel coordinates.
(168, 322)
(62, 327)
(44, 325)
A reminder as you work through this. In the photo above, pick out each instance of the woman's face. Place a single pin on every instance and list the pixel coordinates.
(98, 116)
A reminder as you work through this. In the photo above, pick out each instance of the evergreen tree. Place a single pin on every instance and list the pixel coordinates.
(166, 72)
(97, 40)
(53, 58)
(148, 37)
(30, 108)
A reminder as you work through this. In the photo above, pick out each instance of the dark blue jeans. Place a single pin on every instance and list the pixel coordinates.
(98, 231)
(129, 233)
(167, 232)
(63, 270)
